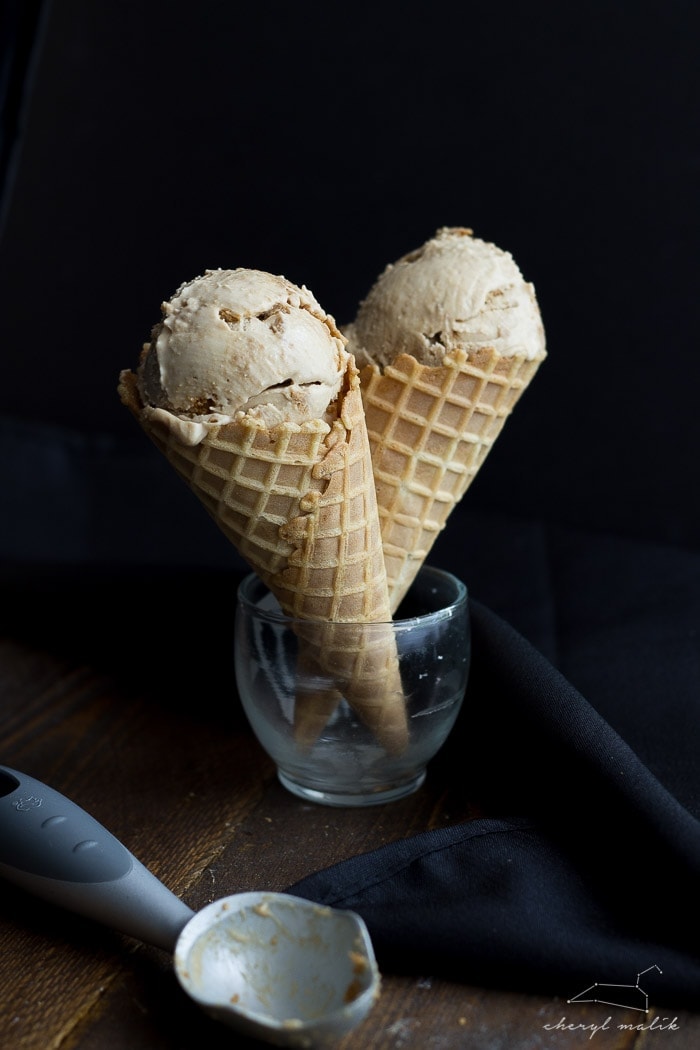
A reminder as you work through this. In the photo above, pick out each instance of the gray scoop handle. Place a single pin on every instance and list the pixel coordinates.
(55, 850)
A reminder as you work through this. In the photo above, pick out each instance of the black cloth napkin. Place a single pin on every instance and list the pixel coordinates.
(588, 871)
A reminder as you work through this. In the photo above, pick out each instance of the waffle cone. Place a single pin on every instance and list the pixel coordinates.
(430, 429)
(299, 504)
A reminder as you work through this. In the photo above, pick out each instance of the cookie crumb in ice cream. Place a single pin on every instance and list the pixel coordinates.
(242, 341)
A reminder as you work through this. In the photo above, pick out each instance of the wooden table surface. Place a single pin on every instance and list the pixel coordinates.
(116, 689)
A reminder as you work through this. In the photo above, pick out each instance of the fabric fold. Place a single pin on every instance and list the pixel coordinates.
(586, 869)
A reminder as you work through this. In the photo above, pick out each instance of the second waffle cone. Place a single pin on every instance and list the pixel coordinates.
(430, 429)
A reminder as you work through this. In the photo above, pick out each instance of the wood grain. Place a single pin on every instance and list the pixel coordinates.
(120, 719)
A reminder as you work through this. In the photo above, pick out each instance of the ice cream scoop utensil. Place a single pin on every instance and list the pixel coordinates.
(274, 966)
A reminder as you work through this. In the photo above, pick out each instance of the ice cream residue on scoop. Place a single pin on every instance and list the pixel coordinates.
(454, 292)
(242, 341)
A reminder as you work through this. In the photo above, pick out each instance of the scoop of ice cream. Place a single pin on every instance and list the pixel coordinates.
(242, 341)
(455, 292)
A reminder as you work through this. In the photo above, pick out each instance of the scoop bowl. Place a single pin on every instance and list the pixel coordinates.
(279, 967)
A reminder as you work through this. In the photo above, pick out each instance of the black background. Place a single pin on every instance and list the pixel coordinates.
(153, 140)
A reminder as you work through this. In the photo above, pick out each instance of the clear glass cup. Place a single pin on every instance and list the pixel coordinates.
(339, 738)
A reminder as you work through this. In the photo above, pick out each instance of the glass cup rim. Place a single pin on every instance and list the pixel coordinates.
(446, 611)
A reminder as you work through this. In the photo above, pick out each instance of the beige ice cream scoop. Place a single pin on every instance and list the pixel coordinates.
(448, 338)
(243, 341)
(456, 292)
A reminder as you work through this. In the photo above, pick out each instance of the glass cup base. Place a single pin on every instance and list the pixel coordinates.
(376, 797)
(351, 713)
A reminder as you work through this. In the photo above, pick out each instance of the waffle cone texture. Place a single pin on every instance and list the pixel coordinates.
(298, 502)
(430, 429)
